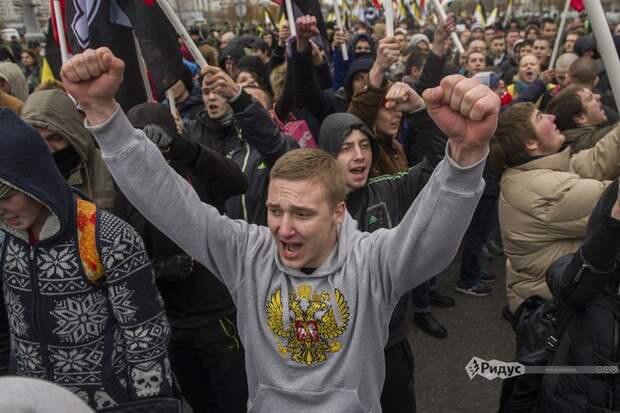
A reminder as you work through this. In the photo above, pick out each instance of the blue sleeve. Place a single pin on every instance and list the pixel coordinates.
(341, 68)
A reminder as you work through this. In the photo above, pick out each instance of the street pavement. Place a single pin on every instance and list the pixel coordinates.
(475, 328)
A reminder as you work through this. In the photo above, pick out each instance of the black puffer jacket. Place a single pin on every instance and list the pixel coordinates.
(593, 335)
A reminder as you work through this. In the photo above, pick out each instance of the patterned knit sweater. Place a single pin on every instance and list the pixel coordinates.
(107, 340)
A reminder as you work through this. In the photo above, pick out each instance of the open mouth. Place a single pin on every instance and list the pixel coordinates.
(358, 172)
(290, 250)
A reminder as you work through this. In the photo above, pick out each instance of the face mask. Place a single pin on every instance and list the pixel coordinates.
(66, 160)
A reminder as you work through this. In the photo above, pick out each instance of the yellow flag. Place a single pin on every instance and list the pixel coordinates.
(46, 72)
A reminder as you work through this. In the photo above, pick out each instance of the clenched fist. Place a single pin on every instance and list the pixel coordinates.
(467, 113)
(93, 78)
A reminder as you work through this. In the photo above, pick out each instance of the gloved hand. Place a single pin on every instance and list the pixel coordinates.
(158, 136)
(176, 268)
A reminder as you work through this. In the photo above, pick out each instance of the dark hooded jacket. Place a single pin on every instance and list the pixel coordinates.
(589, 283)
(104, 340)
(199, 299)
(254, 143)
(382, 203)
(341, 67)
(55, 111)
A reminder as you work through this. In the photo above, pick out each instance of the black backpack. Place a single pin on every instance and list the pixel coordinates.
(539, 326)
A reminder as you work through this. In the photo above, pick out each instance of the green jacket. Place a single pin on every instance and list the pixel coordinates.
(54, 110)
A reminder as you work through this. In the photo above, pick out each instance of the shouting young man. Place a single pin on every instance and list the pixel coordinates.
(314, 295)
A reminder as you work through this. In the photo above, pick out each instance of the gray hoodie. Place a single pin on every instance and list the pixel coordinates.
(313, 342)
(14, 75)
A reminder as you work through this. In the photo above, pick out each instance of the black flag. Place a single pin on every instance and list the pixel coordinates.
(157, 38)
(90, 26)
(313, 8)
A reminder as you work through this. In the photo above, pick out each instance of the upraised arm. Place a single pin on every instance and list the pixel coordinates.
(165, 198)
(427, 238)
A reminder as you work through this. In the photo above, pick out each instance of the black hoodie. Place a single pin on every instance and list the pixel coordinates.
(588, 282)
(383, 202)
(102, 341)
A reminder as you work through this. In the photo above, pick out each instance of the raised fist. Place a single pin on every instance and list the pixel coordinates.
(467, 113)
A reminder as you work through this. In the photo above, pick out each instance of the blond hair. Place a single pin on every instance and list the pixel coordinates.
(313, 165)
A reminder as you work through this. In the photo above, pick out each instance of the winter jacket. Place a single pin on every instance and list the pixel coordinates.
(200, 298)
(314, 342)
(382, 203)
(342, 67)
(544, 206)
(589, 283)
(254, 143)
(104, 338)
(13, 74)
(307, 90)
(33, 77)
(55, 111)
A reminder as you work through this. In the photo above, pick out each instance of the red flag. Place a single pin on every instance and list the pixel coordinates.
(577, 5)
(64, 20)
(377, 4)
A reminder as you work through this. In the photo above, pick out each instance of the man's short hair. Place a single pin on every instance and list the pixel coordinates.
(565, 60)
(543, 39)
(547, 20)
(513, 131)
(565, 106)
(583, 71)
(312, 165)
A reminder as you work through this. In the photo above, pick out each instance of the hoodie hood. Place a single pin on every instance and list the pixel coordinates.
(363, 64)
(54, 110)
(357, 38)
(26, 165)
(14, 75)
(234, 51)
(337, 127)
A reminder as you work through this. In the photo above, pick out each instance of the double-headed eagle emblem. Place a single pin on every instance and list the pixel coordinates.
(313, 330)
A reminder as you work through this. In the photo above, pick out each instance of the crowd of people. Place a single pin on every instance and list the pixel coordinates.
(264, 242)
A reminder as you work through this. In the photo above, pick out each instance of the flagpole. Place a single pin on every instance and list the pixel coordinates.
(453, 35)
(290, 16)
(605, 44)
(60, 29)
(343, 47)
(558, 37)
(389, 18)
(143, 70)
(182, 31)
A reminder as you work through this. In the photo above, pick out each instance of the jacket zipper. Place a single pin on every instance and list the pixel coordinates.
(243, 169)
(35, 312)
